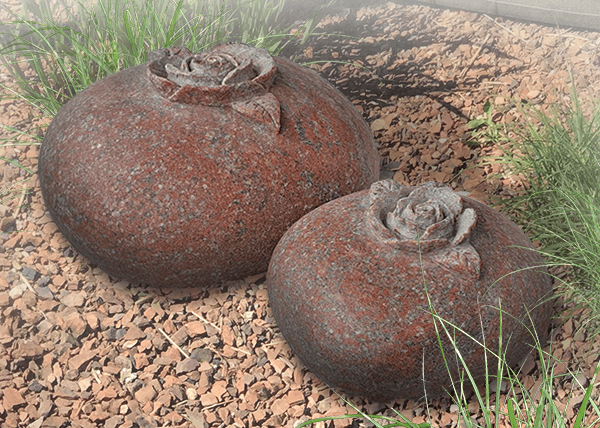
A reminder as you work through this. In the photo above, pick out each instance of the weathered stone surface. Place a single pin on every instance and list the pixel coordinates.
(347, 288)
(188, 169)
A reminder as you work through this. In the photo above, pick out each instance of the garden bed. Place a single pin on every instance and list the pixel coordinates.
(78, 348)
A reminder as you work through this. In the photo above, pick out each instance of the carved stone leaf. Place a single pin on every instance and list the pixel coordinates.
(264, 108)
(463, 259)
(380, 189)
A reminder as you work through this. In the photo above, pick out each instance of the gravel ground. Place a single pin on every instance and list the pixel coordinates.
(79, 348)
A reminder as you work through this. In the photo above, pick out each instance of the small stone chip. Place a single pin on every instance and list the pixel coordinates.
(134, 333)
(35, 386)
(74, 300)
(5, 299)
(186, 366)
(279, 406)
(27, 349)
(45, 408)
(145, 395)
(12, 398)
(45, 293)
(208, 399)
(17, 291)
(191, 394)
(8, 224)
(202, 355)
(113, 422)
(30, 274)
(76, 324)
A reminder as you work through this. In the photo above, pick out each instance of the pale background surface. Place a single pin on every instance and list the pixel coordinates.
(582, 14)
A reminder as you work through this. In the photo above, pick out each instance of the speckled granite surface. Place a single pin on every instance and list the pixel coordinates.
(348, 285)
(155, 186)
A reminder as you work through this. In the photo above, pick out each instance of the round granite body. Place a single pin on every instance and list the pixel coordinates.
(349, 296)
(161, 189)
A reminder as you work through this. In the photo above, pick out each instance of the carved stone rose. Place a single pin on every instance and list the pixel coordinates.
(430, 219)
(432, 213)
(351, 282)
(234, 75)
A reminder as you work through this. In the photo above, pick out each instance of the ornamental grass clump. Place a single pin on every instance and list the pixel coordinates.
(558, 152)
(69, 48)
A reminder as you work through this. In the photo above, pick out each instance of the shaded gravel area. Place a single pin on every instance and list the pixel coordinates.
(79, 348)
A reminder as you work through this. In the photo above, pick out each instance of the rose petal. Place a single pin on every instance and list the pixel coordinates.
(464, 224)
(428, 213)
(442, 229)
(408, 212)
(242, 73)
(438, 192)
(404, 228)
(401, 206)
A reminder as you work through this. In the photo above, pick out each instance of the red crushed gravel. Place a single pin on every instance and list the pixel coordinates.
(78, 348)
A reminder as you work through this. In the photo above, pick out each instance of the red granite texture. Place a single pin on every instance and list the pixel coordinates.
(187, 170)
(349, 286)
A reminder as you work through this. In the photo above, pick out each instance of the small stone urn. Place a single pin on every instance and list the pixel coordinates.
(187, 170)
(350, 285)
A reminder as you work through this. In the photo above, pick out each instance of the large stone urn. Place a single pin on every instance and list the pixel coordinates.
(186, 170)
(355, 284)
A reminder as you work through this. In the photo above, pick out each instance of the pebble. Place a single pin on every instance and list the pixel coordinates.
(35, 386)
(8, 224)
(27, 349)
(123, 362)
(45, 326)
(12, 398)
(141, 322)
(45, 293)
(76, 324)
(74, 300)
(177, 392)
(186, 366)
(113, 422)
(17, 291)
(5, 299)
(191, 393)
(202, 355)
(45, 408)
(30, 274)
(111, 334)
(43, 281)
(145, 394)
(72, 374)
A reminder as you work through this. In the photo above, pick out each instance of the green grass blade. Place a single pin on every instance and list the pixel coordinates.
(584, 404)
(511, 414)
(174, 20)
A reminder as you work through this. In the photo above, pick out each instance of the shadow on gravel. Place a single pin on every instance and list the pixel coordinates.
(404, 71)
